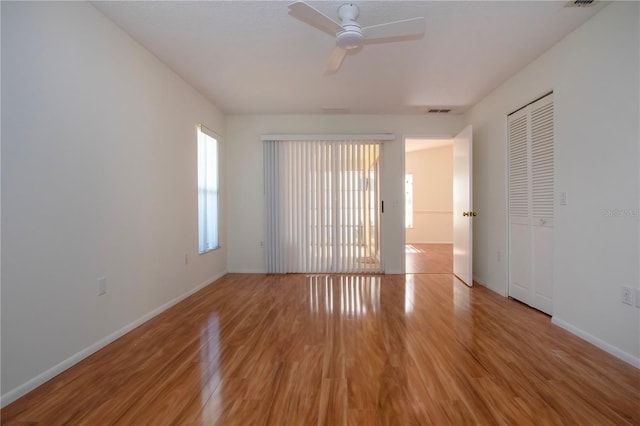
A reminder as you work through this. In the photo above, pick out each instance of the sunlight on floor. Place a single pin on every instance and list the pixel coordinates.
(413, 249)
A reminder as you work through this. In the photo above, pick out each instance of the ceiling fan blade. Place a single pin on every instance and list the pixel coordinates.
(302, 11)
(335, 60)
(407, 29)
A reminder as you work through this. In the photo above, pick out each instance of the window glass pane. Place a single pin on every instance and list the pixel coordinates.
(207, 192)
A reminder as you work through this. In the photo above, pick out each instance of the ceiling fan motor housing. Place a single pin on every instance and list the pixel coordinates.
(349, 38)
(351, 35)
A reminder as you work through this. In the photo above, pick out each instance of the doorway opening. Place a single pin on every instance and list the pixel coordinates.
(428, 206)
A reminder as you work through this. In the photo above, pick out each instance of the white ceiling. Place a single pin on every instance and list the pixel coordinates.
(252, 57)
(412, 145)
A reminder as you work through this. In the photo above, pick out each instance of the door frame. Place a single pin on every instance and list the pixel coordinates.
(404, 171)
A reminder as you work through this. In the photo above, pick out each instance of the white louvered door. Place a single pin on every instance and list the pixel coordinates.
(531, 203)
(520, 282)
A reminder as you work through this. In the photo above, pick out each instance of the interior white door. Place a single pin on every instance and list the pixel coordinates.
(462, 207)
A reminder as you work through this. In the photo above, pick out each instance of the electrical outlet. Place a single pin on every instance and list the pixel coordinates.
(186, 258)
(102, 286)
(627, 295)
(499, 256)
(637, 297)
(261, 244)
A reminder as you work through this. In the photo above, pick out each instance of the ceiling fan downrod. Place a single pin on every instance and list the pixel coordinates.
(351, 35)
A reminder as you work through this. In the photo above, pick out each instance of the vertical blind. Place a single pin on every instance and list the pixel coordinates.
(322, 201)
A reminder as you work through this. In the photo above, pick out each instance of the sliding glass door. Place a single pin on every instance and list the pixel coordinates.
(322, 200)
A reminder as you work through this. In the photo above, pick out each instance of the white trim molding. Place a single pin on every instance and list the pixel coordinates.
(433, 212)
(618, 353)
(359, 137)
(47, 375)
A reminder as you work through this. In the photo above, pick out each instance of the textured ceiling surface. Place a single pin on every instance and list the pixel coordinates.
(412, 145)
(252, 57)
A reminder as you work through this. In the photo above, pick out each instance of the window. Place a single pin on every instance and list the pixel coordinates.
(207, 190)
(408, 200)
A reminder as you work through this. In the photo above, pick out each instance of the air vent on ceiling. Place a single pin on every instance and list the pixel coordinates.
(335, 110)
(439, 110)
(580, 3)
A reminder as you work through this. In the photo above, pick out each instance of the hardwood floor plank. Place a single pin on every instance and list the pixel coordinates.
(429, 258)
(341, 349)
(333, 402)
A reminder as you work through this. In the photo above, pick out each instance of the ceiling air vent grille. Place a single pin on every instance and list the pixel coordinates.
(438, 111)
(580, 3)
(334, 110)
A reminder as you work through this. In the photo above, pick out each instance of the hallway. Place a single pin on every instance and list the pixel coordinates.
(429, 258)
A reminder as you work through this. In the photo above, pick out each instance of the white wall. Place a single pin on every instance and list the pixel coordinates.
(245, 174)
(432, 171)
(0, 202)
(98, 179)
(594, 73)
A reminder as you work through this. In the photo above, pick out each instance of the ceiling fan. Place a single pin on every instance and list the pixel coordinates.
(349, 34)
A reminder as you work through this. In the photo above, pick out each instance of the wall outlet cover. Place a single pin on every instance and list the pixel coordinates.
(563, 198)
(102, 286)
(627, 295)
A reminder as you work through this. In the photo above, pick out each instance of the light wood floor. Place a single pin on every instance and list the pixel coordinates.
(429, 258)
(337, 350)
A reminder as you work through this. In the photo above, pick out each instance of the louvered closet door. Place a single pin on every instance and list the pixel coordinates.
(542, 197)
(520, 280)
(531, 204)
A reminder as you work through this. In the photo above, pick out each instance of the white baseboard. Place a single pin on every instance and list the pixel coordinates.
(247, 271)
(500, 291)
(47, 375)
(618, 353)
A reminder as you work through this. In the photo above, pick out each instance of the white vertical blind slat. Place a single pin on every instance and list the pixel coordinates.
(360, 222)
(354, 209)
(286, 194)
(324, 207)
(304, 207)
(340, 208)
(314, 208)
(350, 208)
(367, 204)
